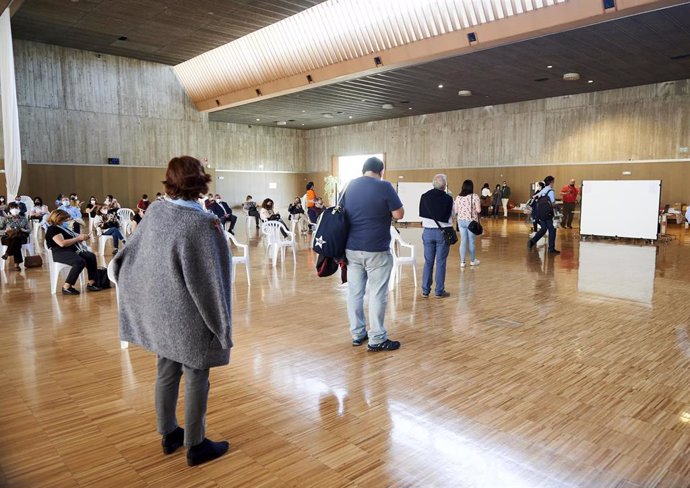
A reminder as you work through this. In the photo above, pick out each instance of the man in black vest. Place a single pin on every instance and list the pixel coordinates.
(223, 212)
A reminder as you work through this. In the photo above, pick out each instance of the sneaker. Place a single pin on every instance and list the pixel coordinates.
(70, 291)
(425, 295)
(205, 451)
(359, 342)
(386, 345)
(443, 295)
(462, 264)
(173, 441)
(530, 244)
(554, 251)
(474, 263)
(93, 288)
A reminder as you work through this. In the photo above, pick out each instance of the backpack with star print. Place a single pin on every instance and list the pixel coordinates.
(332, 229)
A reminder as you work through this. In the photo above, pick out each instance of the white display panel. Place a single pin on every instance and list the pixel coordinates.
(617, 271)
(620, 208)
(409, 194)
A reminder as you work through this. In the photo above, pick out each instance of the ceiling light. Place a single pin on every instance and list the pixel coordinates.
(440, 85)
(590, 81)
(363, 100)
(550, 66)
(258, 120)
(349, 116)
(409, 108)
(303, 111)
(302, 124)
(387, 106)
(327, 115)
(465, 93)
(571, 76)
(281, 122)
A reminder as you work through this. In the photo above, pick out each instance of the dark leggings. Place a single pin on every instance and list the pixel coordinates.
(78, 261)
(14, 246)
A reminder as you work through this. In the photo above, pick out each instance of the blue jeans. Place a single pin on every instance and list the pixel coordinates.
(374, 267)
(117, 235)
(465, 237)
(546, 225)
(435, 248)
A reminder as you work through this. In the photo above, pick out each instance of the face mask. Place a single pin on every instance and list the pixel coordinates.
(14, 211)
(146, 199)
(17, 202)
(93, 201)
(107, 202)
(2, 200)
(65, 202)
(65, 225)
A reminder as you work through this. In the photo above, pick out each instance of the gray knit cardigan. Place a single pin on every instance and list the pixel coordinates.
(173, 279)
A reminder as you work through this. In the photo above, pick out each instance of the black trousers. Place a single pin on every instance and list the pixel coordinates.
(14, 246)
(568, 209)
(78, 261)
(230, 218)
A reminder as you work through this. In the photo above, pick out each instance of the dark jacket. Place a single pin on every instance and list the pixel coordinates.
(436, 204)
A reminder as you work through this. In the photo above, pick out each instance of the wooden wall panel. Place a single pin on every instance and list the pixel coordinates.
(674, 175)
(648, 122)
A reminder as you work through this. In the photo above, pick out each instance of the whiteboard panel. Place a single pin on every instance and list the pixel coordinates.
(620, 208)
(617, 271)
(409, 194)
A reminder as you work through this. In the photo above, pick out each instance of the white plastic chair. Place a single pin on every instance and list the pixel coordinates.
(125, 215)
(400, 261)
(102, 241)
(244, 259)
(29, 202)
(276, 241)
(56, 268)
(111, 277)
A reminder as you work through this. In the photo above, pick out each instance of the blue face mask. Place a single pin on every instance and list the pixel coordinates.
(65, 225)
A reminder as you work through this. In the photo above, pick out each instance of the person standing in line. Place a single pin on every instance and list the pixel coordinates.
(544, 216)
(309, 198)
(467, 209)
(369, 204)
(496, 201)
(187, 321)
(435, 206)
(569, 193)
(505, 198)
(485, 200)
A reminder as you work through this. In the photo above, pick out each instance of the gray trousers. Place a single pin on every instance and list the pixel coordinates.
(195, 399)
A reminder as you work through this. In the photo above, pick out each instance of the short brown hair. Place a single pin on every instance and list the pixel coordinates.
(186, 178)
(57, 217)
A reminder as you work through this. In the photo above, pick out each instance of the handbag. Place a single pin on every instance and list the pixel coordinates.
(449, 234)
(33, 261)
(475, 227)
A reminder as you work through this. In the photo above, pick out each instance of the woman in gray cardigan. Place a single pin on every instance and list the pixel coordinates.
(173, 281)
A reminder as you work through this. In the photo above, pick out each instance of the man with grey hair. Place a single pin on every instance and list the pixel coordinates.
(369, 204)
(436, 210)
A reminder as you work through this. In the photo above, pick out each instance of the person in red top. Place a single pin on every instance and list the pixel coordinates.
(569, 193)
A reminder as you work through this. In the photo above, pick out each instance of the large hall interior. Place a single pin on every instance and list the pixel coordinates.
(540, 364)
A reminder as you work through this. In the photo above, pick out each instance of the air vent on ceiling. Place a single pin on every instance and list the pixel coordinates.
(680, 56)
(541, 79)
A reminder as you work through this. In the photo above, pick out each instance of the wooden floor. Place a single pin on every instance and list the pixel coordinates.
(571, 371)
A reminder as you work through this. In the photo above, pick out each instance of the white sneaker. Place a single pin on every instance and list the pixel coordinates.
(462, 264)
(474, 263)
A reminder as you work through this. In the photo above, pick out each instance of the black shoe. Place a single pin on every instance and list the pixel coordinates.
(386, 345)
(570, 227)
(359, 342)
(232, 231)
(70, 291)
(207, 450)
(443, 295)
(554, 251)
(530, 244)
(5, 256)
(173, 441)
(425, 295)
(93, 288)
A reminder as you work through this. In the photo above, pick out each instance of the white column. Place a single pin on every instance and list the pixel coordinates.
(10, 114)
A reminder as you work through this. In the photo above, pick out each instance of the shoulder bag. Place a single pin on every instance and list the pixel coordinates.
(475, 227)
(449, 234)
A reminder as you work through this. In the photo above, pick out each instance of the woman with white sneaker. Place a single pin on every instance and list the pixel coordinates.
(467, 208)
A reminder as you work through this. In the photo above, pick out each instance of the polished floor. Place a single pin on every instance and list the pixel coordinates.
(571, 371)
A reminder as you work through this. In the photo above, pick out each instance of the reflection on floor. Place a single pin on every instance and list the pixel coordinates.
(535, 372)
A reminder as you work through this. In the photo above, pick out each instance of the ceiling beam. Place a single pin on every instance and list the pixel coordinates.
(563, 17)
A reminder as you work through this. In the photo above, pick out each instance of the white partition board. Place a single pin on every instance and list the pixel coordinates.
(620, 208)
(617, 271)
(409, 194)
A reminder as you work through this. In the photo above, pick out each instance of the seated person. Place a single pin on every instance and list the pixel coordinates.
(3, 205)
(73, 212)
(249, 207)
(22, 206)
(108, 224)
(40, 212)
(92, 207)
(159, 197)
(16, 234)
(223, 211)
(68, 248)
(111, 204)
(58, 200)
(268, 213)
(297, 213)
(142, 207)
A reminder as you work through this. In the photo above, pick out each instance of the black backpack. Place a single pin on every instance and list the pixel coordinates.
(543, 209)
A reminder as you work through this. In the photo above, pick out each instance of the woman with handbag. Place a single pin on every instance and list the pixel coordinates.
(69, 248)
(16, 235)
(467, 209)
(436, 211)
